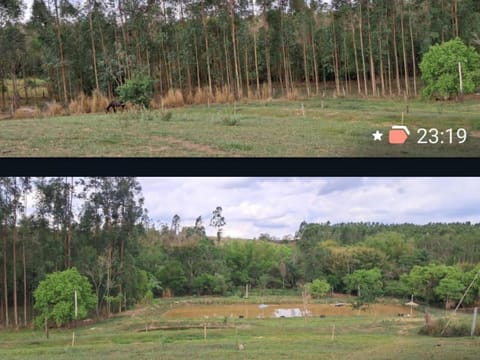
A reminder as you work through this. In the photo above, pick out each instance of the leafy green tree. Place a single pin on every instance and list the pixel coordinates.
(318, 288)
(138, 90)
(422, 281)
(450, 289)
(208, 284)
(55, 297)
(367, 284)
(440, 69)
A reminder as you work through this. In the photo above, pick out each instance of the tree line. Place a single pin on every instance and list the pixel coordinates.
(242, 48)
(100, 226)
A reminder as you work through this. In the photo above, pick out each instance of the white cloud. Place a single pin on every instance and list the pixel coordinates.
(278, 205)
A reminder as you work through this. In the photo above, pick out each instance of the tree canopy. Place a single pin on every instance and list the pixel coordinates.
(55, 297)
(442, 66)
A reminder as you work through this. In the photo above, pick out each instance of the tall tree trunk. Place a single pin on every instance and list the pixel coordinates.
(228, 71)
(207, 49)
(267, 54)
(257, 77)
(362, 50)
(5, 278)
(305, 65)
(179, 67)
(284, 53)
(380, 55)
(61, 51)
(24, 265)
(404, 50)
(94, 52)
(335, 59)
(246, 72)
(255, 56)
(69, 224)
(355, 55)
(414, 65)
(455, 18)
(370, 48)
(197, 63)
(315, 65)
(395, 50)
(14, 255)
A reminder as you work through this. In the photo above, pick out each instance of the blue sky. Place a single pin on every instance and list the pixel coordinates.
(277, 206)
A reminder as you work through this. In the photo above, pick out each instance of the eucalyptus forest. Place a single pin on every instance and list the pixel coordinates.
(255, 49)
(99, 227)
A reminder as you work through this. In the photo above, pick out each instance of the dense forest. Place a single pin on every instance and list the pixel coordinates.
(100, 227)
(205, 49)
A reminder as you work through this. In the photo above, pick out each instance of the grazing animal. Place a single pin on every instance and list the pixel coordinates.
(113, 105)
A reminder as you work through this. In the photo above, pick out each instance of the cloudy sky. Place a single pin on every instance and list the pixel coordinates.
(277, 206)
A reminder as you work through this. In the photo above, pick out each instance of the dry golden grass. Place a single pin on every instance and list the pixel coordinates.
(80, 105)
(292, 94)
(264, 92)
(74, 107)
(201, 96)
(224, 95)
(53, 109)
(189, 98)
(99, 101)
(27, 113)
(174, 98)
(156, 102)
(85, 105)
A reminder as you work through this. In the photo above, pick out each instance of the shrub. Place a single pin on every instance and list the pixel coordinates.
(138, 90)
(230, 121)
(448, 327)
(318, 288)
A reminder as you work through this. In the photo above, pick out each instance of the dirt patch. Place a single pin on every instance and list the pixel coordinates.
(251, 311)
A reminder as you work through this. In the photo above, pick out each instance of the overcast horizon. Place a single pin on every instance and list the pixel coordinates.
(277, 206)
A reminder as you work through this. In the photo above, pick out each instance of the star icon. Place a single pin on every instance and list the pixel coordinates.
(377, 136)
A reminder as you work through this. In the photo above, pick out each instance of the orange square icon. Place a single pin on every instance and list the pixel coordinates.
(398, 134)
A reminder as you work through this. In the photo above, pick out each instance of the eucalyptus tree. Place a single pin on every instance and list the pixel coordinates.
(115, 206)
(218, 221)
(12, 45)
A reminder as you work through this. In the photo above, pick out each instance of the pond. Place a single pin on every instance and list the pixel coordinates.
(251, 311)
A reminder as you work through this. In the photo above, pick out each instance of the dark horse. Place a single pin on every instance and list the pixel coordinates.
(114, 105)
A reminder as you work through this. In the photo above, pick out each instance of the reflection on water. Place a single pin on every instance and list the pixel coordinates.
(251, 311)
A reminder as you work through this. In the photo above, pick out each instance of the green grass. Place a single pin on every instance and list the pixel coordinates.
(355, 337)
(328, 128)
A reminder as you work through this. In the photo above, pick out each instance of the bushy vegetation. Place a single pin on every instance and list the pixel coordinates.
(449, 327)
(441, 73)
(318, 288)
(55, 297)
(106, 236)
(138, 90)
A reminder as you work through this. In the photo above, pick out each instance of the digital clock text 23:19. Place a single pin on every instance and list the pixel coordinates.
(448, 136)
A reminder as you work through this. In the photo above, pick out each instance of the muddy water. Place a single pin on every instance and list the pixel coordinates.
(254, 311)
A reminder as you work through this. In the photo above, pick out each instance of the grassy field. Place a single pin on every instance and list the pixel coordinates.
(126, 336)
(312, 128)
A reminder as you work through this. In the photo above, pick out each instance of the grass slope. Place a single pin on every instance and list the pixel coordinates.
(319, 128)
(355, 337)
